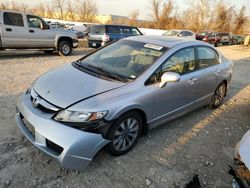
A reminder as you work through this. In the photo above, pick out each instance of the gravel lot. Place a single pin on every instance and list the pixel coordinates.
(201, 142)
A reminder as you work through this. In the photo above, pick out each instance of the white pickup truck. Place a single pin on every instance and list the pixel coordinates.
(26, 31)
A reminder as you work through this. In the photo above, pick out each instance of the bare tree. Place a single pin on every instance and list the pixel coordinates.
(59, 4)
(70, 11)
(165, 18)
(133, 16)
(41, 10)
(50, 12)
(87, 10)
(240, 21)
(4, 6)
(223, 15)
(155, 8)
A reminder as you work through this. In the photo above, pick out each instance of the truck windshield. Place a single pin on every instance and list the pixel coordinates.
(127, 59)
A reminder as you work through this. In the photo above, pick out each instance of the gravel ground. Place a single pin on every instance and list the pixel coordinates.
(201, 142)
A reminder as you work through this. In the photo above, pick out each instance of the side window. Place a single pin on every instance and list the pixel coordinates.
(34, 21)
(13, 19)
(187, 33)
(181, 62)
(135, 31)
(207, 57)
(182, 34)
(126, 30)
(113, 30)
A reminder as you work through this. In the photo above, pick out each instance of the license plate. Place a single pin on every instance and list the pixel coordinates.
(93, 44)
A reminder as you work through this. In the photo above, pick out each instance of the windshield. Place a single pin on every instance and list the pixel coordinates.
(124, 59)
(171, 33)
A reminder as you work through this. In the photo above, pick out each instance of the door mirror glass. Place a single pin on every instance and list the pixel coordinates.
(169, 77)
(44, 26)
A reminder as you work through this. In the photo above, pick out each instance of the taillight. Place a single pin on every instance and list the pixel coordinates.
(105, 38)
(205, 39)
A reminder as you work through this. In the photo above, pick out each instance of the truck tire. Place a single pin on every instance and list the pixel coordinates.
(64, 48)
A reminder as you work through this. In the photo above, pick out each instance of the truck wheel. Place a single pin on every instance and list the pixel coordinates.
(64, 48)
(48, 51)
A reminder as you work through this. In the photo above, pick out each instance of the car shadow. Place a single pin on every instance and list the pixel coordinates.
(18, 54)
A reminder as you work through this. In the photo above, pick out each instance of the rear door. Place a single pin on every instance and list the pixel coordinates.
(14, 32)
(208, 69)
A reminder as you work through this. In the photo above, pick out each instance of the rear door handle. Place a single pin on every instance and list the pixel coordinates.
(31, 31)
(8, 29)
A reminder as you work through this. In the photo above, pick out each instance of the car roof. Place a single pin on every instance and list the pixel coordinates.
(168, 42)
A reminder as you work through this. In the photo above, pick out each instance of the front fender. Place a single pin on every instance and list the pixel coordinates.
(119, 110)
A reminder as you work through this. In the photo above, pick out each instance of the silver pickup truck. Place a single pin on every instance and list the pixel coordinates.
(26, 31)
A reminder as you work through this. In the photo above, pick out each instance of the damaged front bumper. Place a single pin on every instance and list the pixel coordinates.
(72, 148)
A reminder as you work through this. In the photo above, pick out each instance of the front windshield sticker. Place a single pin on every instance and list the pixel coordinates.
(152, 46)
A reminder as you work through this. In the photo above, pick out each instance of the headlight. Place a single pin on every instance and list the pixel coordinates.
(73, 116)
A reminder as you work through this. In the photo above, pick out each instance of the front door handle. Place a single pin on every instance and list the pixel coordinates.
(217, 72)
(8, 29)
(192, 80)
(31, 31)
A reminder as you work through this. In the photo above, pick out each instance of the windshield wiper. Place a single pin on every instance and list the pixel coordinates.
(81, 66)
(107, 73)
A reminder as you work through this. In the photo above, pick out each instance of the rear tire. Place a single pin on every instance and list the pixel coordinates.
(64, 48)
(218, 96)
(124, 133)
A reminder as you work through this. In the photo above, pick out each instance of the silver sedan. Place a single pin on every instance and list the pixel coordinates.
(119, 92)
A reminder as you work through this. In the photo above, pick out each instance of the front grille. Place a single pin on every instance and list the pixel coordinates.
(42, 108)
(42, 104)
(54, 147)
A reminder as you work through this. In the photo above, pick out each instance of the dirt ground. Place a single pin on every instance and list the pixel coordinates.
(201, 142)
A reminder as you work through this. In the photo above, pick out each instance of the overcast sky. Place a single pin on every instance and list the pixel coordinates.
(124, 7)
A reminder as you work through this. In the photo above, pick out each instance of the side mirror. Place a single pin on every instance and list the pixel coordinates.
(169, 77)
(44, 26)
(180, 35)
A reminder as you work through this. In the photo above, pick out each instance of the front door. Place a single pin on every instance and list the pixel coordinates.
(39, 37)
(179, 96)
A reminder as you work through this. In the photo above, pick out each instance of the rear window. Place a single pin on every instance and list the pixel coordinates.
(97, 29)
(13, 19)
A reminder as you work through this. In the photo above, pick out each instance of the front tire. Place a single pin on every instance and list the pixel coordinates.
(218, 96)
(124, 133)
(64, 48)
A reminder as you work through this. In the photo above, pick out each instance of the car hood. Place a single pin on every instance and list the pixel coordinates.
(67, 85)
